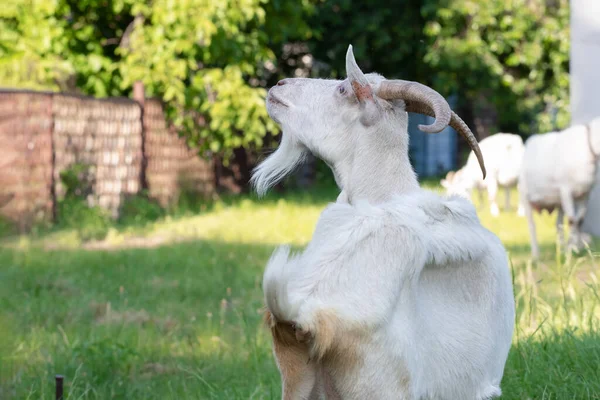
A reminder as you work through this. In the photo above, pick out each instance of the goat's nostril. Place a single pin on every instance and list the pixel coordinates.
(281, 82)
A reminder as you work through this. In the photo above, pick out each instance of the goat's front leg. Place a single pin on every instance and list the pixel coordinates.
(560, 229)
(302, 377)
(507, 198)
(580, 211)
(521, 209)
(535, 251)
(291, 351)
(568, 207)
(492, 189)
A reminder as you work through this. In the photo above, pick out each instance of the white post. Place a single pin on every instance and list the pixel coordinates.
(585, 83)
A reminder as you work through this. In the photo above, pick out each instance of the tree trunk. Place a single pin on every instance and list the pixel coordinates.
(242, 178)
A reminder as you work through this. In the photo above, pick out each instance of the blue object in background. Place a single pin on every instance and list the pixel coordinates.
(432, 154)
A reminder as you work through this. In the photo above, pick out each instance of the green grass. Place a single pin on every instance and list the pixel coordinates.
(172, 309)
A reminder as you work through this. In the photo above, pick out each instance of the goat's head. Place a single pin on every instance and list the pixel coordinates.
(327, 117)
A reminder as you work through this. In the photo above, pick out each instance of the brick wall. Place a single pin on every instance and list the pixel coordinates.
(26, 157)
(43, 134)
(170, 164)
(105, 135)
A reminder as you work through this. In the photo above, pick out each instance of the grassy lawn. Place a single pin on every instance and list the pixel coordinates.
(171, 311)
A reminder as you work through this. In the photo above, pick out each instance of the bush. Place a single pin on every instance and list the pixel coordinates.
(73, 212)
(140, 209)
(78, 180)
(6, 227)
(92, 223)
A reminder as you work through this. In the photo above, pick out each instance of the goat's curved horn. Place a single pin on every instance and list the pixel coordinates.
(414, 92)
(455, 122)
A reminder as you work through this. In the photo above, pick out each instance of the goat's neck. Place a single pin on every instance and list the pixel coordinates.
(377, 170)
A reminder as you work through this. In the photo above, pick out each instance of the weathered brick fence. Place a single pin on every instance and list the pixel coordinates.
(127, 146)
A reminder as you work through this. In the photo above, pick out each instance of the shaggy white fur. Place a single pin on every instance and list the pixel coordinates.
(420, 286)
(401, 294)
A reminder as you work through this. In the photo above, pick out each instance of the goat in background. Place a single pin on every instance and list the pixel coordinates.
(559, 171)
(503, 154)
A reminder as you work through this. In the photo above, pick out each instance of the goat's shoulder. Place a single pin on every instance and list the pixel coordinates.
(448, 226)
(445, 227)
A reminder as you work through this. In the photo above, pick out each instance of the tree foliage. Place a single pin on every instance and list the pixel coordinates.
(514, 51)
(31, 45)
(207, 59)
(212, 60)
(387, 36)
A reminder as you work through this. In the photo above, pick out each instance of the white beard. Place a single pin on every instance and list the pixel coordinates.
(284, 160)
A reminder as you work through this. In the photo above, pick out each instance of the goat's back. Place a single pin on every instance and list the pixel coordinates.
(503, 154)
(556, 160)
(413, 296)
(465, 308)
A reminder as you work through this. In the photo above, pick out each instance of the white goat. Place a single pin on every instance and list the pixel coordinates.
(503, 154)
(400, 294)
(559, 170)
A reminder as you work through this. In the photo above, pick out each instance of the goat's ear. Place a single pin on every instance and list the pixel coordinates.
(444, 183)
(362, 89)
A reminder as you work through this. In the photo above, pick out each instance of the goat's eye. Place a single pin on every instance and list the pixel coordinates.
(341, 89)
